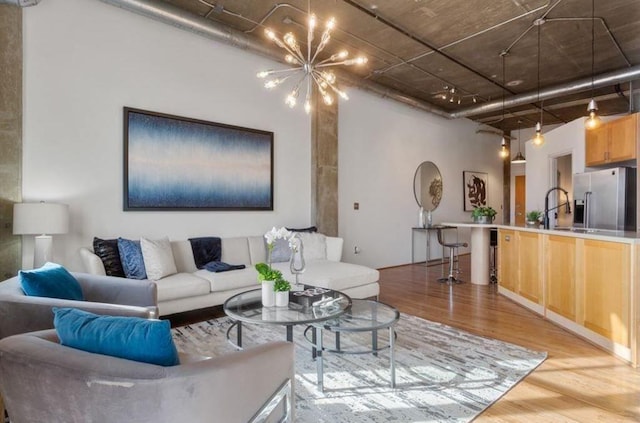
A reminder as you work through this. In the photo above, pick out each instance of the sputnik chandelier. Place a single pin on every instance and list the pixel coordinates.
(312, 68)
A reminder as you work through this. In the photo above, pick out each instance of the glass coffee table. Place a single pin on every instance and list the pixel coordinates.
(363, 316)
(310, 306)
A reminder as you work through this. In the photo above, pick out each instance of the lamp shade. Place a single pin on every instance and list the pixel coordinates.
(40, 218)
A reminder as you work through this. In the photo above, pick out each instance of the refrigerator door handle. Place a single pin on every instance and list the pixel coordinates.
(587, 222)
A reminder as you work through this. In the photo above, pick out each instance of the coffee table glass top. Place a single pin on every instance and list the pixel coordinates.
(308, 306)
(364, 315)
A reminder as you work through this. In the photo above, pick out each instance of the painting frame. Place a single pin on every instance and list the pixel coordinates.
(475, 189)
(176, 163)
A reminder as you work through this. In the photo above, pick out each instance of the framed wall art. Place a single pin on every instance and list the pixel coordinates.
(475, 189)
(178, 163)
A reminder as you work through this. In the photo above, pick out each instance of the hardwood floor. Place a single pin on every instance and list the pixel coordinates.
(577, 383)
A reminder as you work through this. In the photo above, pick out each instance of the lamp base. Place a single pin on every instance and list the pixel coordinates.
(42, 251)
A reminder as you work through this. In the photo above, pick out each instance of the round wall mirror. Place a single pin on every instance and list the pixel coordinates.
(427, 186)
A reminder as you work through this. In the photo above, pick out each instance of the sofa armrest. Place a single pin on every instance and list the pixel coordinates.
(113, 290)
(334, 248)
(21, 314)
(92, 263)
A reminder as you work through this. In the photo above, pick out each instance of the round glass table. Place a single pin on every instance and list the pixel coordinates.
(309, 306)
(363, 316)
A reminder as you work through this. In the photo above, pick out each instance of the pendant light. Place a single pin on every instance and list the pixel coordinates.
(538, 140)
(593, 121)
(504, 151)
(519, 158)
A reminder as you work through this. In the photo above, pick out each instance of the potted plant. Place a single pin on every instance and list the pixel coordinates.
(266, 274)
(533, 218)
(483, 214)
(282, 288)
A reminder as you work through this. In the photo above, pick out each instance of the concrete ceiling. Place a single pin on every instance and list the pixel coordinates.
(423, 48)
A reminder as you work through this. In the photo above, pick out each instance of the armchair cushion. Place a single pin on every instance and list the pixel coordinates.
(132, 338)
(51, 280)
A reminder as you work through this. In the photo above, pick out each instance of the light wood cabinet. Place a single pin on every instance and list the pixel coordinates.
(530, 277)
(614, 141)
(560, 259)
(508, 259)
(606, 299)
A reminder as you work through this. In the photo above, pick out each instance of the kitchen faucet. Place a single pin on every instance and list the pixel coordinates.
(546, 205)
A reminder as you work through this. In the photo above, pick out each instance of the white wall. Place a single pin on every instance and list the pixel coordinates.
(381, 145)
(563, 140)
(84, 61)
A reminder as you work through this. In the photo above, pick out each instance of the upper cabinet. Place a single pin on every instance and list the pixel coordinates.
(614, 141)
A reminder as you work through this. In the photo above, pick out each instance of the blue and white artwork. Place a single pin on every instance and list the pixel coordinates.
(178, 163)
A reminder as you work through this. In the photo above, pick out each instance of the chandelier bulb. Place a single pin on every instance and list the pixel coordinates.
(593, 121)
(328, 100)
(331, 23)
(343, 54)
(312, 21)
(272, 83)
(290, 59)
(307, 107)
(538, 139)
(270, 34)
(263, 74)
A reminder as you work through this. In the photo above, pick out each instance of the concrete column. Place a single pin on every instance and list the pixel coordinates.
(10, 136)
(324, 166)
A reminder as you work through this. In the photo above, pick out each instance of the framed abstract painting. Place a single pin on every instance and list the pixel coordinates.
(178, 163)
(475, 189)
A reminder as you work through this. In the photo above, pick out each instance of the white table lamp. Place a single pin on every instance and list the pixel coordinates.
(41, 219)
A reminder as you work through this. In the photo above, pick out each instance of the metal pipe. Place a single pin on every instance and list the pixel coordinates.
(603, 80)
(20, 3)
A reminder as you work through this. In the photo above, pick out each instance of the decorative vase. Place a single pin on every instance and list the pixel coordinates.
(421, 217)
(482, 219)
(533, 224)
(282, 298)
(268, 294)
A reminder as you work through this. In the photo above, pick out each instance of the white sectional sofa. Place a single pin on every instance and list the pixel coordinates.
(192, 289)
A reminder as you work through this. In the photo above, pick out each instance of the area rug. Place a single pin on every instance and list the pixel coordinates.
(442, 374)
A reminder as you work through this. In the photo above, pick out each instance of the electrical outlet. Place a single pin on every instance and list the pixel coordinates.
(356, 206)
(356, 250)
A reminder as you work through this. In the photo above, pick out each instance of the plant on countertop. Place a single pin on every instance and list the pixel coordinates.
(483, 211)
(265, 271)
(281, 285)
(534, 216)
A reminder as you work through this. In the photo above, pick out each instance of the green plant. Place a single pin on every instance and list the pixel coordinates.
(281, 285)
(484, 211)
(534, 216)
(266, 273)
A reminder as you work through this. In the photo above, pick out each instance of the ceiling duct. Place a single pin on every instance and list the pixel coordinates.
(20, 3)
(171, 15)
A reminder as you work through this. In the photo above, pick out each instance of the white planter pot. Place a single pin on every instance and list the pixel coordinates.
(282, 298)
(268, 295)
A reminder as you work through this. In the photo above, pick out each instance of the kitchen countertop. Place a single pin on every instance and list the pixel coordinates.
(597, 234)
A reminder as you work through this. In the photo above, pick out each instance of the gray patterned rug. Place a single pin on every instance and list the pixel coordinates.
(442, 374)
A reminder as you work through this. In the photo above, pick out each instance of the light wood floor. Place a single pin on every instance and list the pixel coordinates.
(577, 383)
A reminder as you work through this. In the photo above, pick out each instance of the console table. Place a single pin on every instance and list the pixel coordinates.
(428, 230)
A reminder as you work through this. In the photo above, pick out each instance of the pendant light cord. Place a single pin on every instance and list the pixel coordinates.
(593, 43)
(541, 109)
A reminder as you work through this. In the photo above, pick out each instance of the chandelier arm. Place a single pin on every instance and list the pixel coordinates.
(315, 79)
(326, 35)
(271, 72)
(284, 46)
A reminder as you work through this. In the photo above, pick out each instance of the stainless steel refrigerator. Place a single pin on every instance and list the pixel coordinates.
(605, 199)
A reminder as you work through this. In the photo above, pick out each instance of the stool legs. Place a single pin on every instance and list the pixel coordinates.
(451, 279)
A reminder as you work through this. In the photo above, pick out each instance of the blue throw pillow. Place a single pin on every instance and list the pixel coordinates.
(131, 258)
(132, 338)
(51, 280)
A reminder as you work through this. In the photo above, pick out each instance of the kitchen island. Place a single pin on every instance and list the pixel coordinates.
(587, 282)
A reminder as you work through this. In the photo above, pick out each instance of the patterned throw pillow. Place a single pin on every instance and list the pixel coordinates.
(132, 259)
(107, 250)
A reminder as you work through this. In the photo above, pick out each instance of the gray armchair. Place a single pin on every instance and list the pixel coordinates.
(20, 313)
(43, 381)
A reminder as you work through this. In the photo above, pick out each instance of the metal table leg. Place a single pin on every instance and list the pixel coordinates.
(319, 359)
(392, 360)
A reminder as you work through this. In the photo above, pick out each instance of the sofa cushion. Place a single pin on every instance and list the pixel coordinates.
(158, 258)
(314, 245)
(52, 281)
(244, 278)
(332, 274)
(132, 259)
(181, 285)
(236, 250)
(107, 250)
(131, 338)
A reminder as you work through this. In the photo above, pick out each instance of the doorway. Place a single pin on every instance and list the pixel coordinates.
(520, 199)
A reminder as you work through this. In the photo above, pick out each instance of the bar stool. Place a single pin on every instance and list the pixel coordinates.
(493, 243)
(453, 255)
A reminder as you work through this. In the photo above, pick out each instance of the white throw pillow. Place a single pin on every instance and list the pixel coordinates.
(158, 258)
(314, 245)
